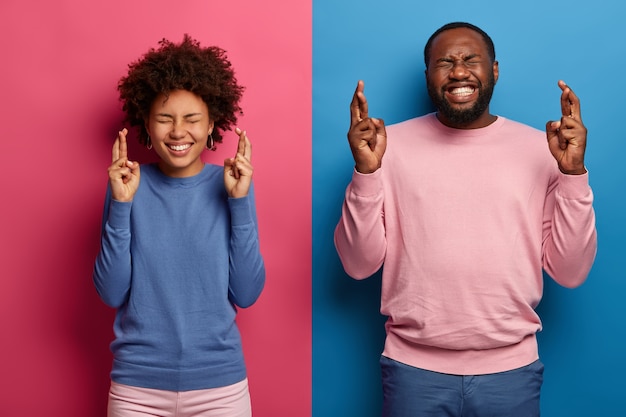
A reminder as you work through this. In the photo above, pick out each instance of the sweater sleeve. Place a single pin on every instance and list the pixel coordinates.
(570, 240)
(112, 269)
(360, 234)
(247, 269)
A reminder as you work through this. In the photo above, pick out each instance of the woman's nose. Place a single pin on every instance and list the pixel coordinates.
(178, 130)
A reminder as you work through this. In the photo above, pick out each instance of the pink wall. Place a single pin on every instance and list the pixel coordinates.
(60, 64)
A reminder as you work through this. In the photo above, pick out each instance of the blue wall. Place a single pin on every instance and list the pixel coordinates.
(537, 43)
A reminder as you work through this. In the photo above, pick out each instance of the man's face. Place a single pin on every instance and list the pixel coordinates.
(460, 78)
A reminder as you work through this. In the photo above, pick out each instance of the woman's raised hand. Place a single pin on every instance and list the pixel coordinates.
(123, 174)
(238, 170)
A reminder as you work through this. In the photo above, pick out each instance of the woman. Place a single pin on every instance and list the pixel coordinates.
(179, 248)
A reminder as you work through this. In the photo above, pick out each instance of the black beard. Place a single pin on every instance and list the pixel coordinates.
(467, 116)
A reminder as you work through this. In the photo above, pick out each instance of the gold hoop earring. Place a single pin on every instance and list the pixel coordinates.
(210, 144)
(148, 143)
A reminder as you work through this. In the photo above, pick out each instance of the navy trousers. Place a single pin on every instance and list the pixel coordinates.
(415, 392)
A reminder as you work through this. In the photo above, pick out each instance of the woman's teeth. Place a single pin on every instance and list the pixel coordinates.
(179, 147)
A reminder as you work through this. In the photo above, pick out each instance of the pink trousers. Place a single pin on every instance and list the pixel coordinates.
(229, 401)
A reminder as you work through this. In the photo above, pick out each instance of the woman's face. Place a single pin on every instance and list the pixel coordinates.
(179, 126)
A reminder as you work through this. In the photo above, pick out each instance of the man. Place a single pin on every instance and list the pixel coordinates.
(464, 209)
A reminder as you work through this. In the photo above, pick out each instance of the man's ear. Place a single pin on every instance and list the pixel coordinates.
(496, 71)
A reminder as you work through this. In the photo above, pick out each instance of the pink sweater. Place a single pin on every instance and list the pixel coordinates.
(464, 222)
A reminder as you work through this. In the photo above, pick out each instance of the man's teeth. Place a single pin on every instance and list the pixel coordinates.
(180, 147)
(462, 91)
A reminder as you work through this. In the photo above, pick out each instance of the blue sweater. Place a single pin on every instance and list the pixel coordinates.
(175, 262)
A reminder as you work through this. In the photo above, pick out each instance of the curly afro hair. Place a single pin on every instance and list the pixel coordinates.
(204, 71)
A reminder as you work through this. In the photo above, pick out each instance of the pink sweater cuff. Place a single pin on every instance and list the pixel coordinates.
(574, 187)
(365, 185)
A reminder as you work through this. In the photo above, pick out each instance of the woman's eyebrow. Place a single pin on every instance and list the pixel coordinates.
(185, 116)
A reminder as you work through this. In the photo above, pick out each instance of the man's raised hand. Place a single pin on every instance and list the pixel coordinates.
(123, 174)
(367, 136)
(567, 138)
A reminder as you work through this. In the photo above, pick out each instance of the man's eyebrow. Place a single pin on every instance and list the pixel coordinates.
(452, 59)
